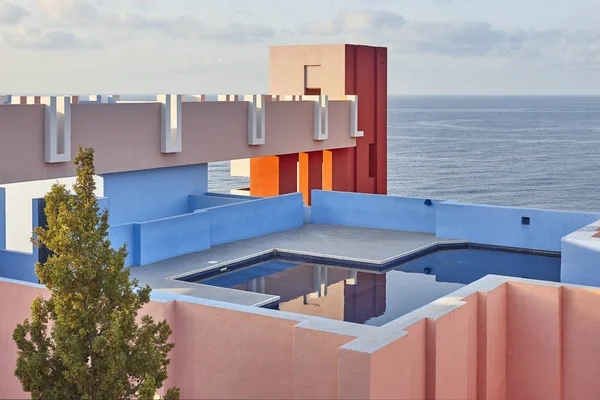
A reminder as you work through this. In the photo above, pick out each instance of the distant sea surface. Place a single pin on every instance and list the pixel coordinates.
(541, 152)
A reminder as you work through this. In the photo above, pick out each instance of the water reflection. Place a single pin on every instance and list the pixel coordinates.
(377, 298)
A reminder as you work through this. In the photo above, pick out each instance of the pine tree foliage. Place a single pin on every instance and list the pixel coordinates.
(85, 341)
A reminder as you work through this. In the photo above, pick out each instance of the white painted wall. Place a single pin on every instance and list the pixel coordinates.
(19, 210)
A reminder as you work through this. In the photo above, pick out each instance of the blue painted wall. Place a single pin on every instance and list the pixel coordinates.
(202, 202)
(580, 261)
(373, 211)
(124, 234)
(2, 218)
(502, 225)
(255, 218)
(171, 237)
(139, 196)
(17, 265)
(232, 196)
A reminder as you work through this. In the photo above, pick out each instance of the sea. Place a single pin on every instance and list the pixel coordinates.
(541, 152)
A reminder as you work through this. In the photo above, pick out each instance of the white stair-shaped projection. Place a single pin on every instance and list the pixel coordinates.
(57, 125)
(256, 118)
(171, 120)
(354, 132)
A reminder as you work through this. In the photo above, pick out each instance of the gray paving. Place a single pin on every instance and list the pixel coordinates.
(330, 240)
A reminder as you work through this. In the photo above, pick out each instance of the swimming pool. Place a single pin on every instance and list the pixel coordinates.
(376, 298)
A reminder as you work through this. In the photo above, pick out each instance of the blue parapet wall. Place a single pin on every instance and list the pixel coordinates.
(124, 234)
(373, 211)
(171, 237)
(507, 226)
(255, 218)
(17, 265)
(157, 240)
(203, 202)
(139, 196)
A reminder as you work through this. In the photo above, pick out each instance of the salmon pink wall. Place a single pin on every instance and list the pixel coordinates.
(126, 136)
(498, 338)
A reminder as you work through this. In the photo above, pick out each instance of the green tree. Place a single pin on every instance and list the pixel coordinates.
(84, 341)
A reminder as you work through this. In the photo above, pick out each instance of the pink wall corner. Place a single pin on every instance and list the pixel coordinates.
(161, 311)
(581, 347)
(17, 300)
(398, 369)
(316, 363)
(454, 359)
(354, 375)
(226, 354)
(533, 356)
(491, 345)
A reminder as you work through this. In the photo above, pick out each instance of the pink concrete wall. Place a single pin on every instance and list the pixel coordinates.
(398, 370)
(516, 341)
(127, 136)
(316, 363)
(581, 344)
(533, 342)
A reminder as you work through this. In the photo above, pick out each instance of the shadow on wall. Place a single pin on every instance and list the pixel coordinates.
(237, 219)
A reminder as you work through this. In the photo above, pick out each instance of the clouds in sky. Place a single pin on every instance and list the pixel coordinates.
(11, 14)
(202, 46)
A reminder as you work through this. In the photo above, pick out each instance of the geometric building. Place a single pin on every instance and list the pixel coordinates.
(312, 283)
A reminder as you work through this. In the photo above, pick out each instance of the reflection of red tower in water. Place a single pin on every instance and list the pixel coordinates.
(366, 298)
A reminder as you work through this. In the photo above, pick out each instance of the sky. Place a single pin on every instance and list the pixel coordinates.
(197, 46)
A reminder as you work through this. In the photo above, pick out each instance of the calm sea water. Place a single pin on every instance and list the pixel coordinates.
(516, 151)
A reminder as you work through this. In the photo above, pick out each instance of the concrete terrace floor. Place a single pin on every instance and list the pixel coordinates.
(368, 244)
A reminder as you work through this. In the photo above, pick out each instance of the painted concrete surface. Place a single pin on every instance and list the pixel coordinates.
(127, 137)
(580, 262)
(503, 226)
(373, 211)
(153, 194)
(374, 245)
(498, 338)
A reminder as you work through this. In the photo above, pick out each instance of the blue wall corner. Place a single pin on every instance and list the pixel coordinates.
(2, 218)
(307, 215)
(171, 237)
(373, 211)
(139, 196)
(255, 218)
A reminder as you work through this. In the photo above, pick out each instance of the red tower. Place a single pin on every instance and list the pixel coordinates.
(336, 71)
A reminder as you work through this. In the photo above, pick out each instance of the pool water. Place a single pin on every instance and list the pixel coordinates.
(378, 298)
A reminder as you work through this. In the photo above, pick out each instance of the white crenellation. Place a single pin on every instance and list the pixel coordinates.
(256, 118)
(354, 132)
(171, 120)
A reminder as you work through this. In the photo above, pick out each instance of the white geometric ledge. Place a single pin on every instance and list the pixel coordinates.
(321, 116)
(256, 118)
(57, 125)
(354, 132)
(57, 128)
(171, 120)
